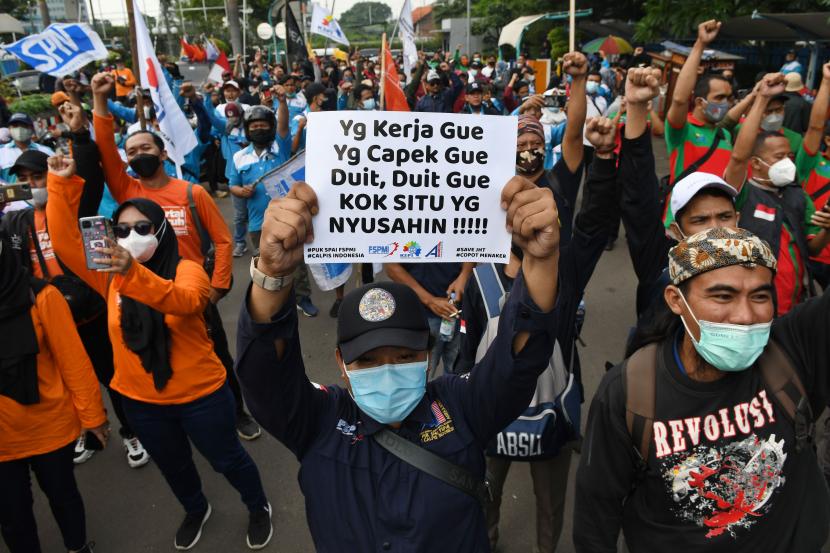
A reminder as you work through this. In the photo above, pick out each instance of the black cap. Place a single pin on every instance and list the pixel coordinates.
(287, 77)
(381, 314)
(476, 64)
(21, 119)
(314, 89)
(474, 87)
(31, 159)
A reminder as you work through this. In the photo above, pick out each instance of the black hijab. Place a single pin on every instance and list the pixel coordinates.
(143, 328)
(18, 340)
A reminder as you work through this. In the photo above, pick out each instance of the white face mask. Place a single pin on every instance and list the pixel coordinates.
(142, 248)
(773, 122)
(21, 134)
(39, 197)
(472, 73)
(781, 173)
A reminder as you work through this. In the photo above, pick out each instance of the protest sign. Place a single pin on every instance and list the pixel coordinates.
(60, 49)
(404, 187)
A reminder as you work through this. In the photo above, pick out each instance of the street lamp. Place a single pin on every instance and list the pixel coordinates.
(168, 33)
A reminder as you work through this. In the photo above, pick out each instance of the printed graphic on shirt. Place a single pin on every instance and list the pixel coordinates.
(726, 489)
(45, 244)
(441, 425)
(720, 475)
(177, 217)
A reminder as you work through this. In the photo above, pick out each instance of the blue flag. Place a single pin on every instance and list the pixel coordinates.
(60, 49)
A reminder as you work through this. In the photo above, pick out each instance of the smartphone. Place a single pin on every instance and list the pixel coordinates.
(556, 101)
(266, 94)
(95, 231)
(15, 192)
(92, 442)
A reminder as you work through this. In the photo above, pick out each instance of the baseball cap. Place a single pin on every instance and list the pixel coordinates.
(314, 89)
(59, 98)
(716, 248)
(21, 119)
(380, 314)
(433, 76)
(232, 109)
(474, 87)
(686, 188)
(34, 160)
(231, 83)
(794, 82)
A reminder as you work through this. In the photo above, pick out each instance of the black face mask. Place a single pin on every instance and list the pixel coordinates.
(262, 137)
(529, 162)
(145, 165)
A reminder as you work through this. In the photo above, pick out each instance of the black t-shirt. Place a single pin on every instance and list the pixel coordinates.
(434, 277)
(723, 471)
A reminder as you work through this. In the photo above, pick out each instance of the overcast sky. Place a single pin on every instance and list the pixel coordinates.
(115, 10)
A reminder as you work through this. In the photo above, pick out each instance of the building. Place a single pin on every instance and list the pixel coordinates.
(60, 11)
(424, 21)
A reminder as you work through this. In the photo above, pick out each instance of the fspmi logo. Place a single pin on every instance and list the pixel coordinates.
(436, 251)
(385, 250)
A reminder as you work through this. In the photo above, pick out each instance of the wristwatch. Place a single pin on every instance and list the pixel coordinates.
(272, 284)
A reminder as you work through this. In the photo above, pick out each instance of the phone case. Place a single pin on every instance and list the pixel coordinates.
(15, 192)
(94, 231)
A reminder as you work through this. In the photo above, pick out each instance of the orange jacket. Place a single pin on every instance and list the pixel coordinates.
(70, 397)
(197, 370)
(173, 199)
(129, 84)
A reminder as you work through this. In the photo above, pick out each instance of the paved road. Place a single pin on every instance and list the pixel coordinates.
(132, 511)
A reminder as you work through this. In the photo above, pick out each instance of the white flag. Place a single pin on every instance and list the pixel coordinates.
(179, 138)
(323, 23)
(406, 30)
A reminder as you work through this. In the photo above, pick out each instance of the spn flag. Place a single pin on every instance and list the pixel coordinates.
(323, 23)
(175, 129)
(406, 30)
(295, 43)
(393, 95)
(60, 49)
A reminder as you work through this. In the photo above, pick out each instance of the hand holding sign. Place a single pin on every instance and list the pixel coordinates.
(285, 229)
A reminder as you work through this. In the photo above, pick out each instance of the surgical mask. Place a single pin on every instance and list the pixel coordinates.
(472, 73)
(142, 248)
(773, 122)
(390, 392)
(39, 197)
(528, 162)
(145, 165)
(21, 134)
(291, 95)
(369, 104)
(342, 68)
(592, 87)
(728, 347)
(715, 111)
(781, 173)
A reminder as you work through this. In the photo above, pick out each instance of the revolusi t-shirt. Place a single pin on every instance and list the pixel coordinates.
(723, 472)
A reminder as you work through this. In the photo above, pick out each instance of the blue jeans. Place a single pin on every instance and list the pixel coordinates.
(240, 219)
(442, 351)
(210, 423)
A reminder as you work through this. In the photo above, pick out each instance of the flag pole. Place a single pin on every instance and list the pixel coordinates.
(382, 70)
(136, 67)
(572, 26)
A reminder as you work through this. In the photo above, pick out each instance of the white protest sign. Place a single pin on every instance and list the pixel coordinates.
(404, 187)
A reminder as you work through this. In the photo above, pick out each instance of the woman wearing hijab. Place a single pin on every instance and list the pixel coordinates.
(172, 381)
(48, 392)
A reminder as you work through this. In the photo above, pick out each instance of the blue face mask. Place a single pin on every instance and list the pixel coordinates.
(592, 87)
(728, 347)
(369, 104)
(714, 111)
(390, 392)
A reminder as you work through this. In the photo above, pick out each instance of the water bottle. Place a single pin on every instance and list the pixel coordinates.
(447, 331)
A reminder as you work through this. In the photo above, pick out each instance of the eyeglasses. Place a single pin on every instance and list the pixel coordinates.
(122, 230)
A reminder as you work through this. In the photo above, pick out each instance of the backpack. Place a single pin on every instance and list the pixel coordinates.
(639, 374)
(552, 418)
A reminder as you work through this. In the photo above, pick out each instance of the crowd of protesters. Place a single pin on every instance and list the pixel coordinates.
(701, 440)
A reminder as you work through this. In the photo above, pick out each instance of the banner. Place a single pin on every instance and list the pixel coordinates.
(60, 49)
(179, 137)
(323, 23)
(404, 187)
(394, 96)
(295, 43)
(406, 30)
(277, 183)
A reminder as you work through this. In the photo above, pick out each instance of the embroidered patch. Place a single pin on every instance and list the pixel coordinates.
(376, 305)
(441, 425)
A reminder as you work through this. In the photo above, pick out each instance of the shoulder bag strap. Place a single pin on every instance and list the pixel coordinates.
(781, 378)
(703, 159)
(640, 381)
(491, 288)
(432, 464)
(204, 238)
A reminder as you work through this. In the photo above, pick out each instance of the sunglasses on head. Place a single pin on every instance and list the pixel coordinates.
(122, 230)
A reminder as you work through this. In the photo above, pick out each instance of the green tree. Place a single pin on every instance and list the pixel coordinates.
(364, 14)
(447, 9)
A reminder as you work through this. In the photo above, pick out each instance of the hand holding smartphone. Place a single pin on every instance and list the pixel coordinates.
(15, 192)
(95, 231)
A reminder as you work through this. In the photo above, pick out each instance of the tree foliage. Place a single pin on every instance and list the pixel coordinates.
(364, 14)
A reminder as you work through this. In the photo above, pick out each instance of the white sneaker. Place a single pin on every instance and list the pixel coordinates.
(81, 454)
(137, 456)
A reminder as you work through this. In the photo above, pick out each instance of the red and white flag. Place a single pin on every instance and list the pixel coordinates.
(765, 212)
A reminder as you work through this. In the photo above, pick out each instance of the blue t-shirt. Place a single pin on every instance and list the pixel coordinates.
(248, 167)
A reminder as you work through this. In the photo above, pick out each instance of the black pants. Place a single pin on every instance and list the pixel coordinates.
(216, 331)
(95, 337)
(821, 274)
(55, 477)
